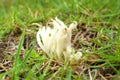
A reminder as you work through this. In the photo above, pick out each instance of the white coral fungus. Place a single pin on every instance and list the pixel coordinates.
(56, 41)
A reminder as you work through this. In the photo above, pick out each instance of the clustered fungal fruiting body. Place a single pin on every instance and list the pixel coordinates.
(56, 41)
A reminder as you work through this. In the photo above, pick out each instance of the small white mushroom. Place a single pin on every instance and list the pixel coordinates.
(56, 41)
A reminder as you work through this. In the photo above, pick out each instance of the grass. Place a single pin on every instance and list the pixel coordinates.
(101, 59)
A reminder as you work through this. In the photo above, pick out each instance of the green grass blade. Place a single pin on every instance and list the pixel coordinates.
(17, 59)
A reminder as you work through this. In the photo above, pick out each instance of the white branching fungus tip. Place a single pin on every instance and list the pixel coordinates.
(75, 58)
(56, 41)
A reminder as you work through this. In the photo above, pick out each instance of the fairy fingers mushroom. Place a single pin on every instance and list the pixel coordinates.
(56, 41)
